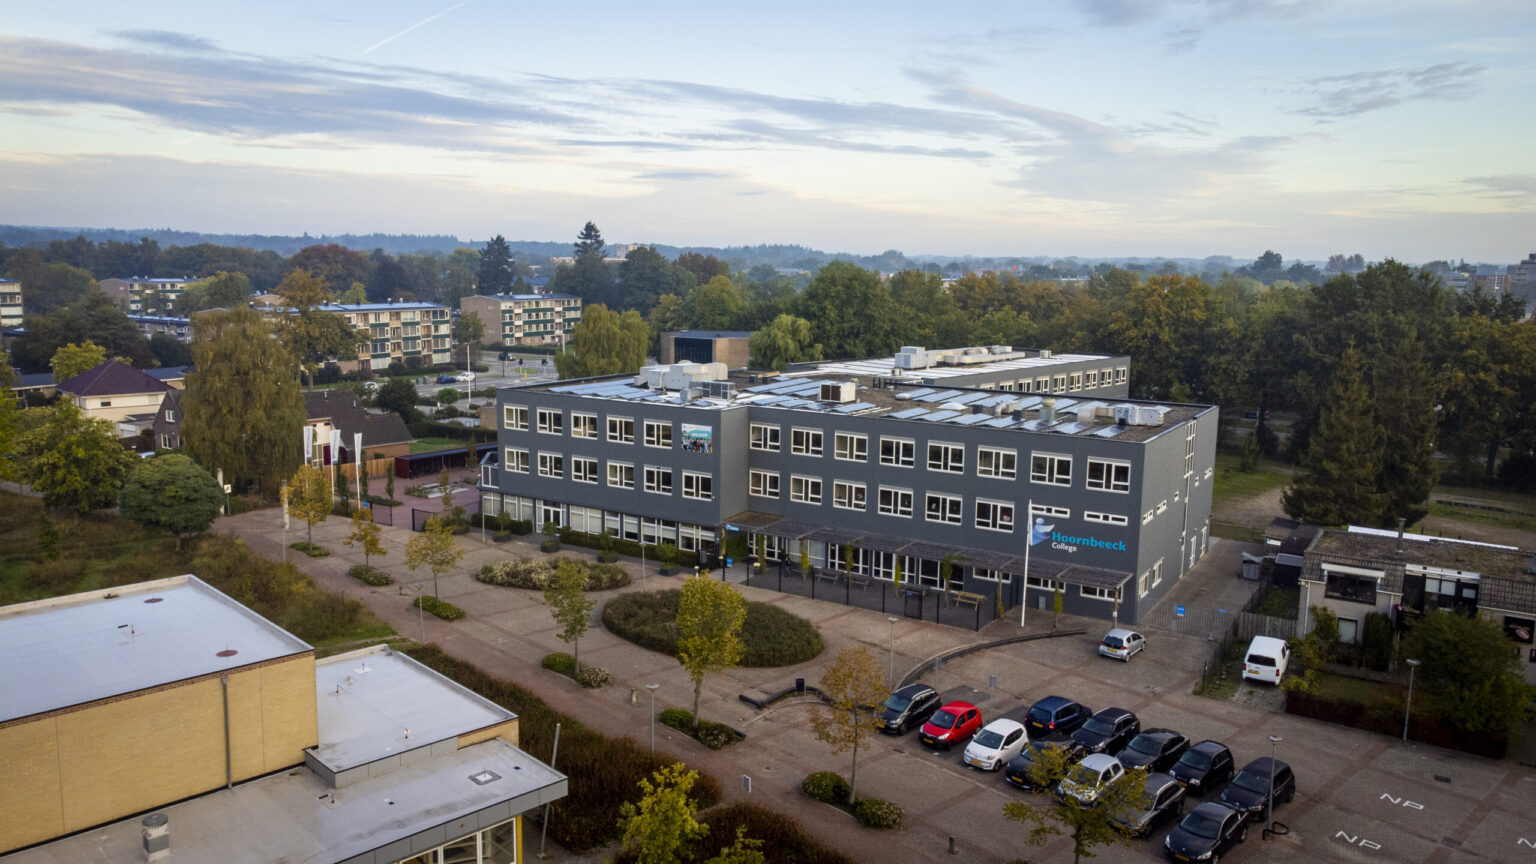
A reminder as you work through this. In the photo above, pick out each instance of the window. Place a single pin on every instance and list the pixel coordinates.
(994, 515)
(1051, 468)
(763, 484)
(700, 487)
(1146, 518)
(106, 403)
(621, 430)
(765, 437)
(583, 470)
(1077, 382)
(1091, 378)
(996, 462)
(1100, 593)
(621, 475)
(897, 451)
(514, 417)
(949, 458)
(170, 416)
(849, 496)
(165, 442)
(1050, 512)
(1046, 584)
(1059, 383)
(1362, 589)
(806, 490)
(583, 425)
(1104, 518)
(515, 460)
(1120, 375)
(658, 434)
(939, 507)
(1109, 476)
(806, 442)
(1042, 385)
(1157, 573)
(551, 421)
(851, 447)
(658, 480)
(895, 502)
(551, 465)
(1162, 506)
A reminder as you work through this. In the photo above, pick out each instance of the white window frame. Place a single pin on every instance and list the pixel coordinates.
(1099, 593)
(552, 465)
(903, 451)
(654, 475)
(1051, 474)
(1105, 518)
(583, 425)
(617, 427)
(1040, 584)
(698, 486)
(1162, 507)
(951, 512)
(763, 484)
(619, 477)
(804, 489)
(1001, 516)
(804, 441)
(764, 437)
(1146, 518)
(848, 495)
(514, 417)
(551, 421)
(895, 501)
(653, 434)
(515, 460)
(1076, 384)
(850, 446)
(1049, 512)
(946, 462)
(584, 470)
(1005, 462)
(1109, 480)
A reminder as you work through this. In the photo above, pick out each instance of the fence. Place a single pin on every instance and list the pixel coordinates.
(1216, 623)
(956, 608)
(419, 517)
(382, 514)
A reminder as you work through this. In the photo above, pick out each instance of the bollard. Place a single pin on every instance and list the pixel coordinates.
(952, 849)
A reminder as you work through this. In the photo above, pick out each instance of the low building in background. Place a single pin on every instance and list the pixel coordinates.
(707, 346)
(397, 332)
(139, 295)
(168, 698)
(524, 319)
(170, 325)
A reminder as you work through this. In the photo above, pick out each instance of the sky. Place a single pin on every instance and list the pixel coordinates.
(1093, 128)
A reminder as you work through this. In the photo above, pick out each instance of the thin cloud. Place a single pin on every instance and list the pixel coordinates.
(427, 20)
(1180, 40)
(167, 39)
(1516, 188)
(1335, 96)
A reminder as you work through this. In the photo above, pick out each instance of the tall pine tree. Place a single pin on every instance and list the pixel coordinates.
(496, 272)
(589, 242)
(1343, 459)
(1406, 394)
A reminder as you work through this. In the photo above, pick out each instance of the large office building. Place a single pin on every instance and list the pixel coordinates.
(524, 319)
(10, 303)
(396, 332)
(1005, 460)
(164, 721)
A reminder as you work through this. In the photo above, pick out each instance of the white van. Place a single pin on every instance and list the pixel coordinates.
(1266, 660)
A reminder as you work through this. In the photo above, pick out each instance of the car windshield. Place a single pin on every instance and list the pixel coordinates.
(1099, 727)
(1082, 775)
(1252, 782)
(943, 720)
(988, 739)
(1201, 825)
(1196, 759)
(1148, 746)
(897, 703)
(1040, 715)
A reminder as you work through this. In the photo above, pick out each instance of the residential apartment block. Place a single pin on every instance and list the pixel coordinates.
(143, 296)
(525, 319)
(397, 331)
(170, 325)
(10, 303)
(1082, 492)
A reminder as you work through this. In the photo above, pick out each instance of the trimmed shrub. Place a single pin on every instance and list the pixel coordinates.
(535, 573)
(770, 636)
(560, 662)
(878, 813)
(592, 677)
(627, 547)
(711, 734)
(309, 549)
(441, 608)
(370, 575)
(828, 787)
(677, 718)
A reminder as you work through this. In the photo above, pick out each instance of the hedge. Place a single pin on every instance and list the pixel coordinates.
(828, 787)
(310, 549)
(624, 547)
(713, 735)
(770, 636)
(1386, 717)
(431, 429)
(878, 813)
(535, 573)
(370, 575)
(441, 608)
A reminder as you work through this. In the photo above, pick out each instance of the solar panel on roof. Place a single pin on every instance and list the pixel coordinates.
(857, 406)
(1000, 422)
(1107, 431)
(996, 400)
(794, 403)
(1071, 428)
(968, 419)
(967, 398)
(914, 394)
(1064, 404)
(939, 416)
(909, 413)
(1029, 402)
(941, 396)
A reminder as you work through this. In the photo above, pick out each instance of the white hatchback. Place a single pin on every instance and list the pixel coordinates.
(995, 744)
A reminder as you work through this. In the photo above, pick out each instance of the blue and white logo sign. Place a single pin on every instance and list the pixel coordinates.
(1040, 532)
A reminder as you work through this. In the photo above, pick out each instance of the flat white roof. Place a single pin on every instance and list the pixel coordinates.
(375, 703)
(881, 367)
(78, 649)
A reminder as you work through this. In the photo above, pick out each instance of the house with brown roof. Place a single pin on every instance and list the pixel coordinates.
(384, 433)
(118, 393)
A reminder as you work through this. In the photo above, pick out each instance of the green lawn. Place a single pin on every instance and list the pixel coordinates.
(431, 445)
(1354, 689)
(1232, 484)
(1491, 518)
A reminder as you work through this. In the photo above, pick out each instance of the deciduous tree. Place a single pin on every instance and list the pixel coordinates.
(1088, 825)
(850, 311)
(8, 413)
(851, 685)
(398, 395)
(716, 305)
(311, 335)
(171, 492)
(435, 549)
(656, 829)
(604, 343)
(365, 534)
(709, 619)
(569, 605)
(71, 360)
(787, 340)
(1470, 670)
(309, 497)
(75, 462)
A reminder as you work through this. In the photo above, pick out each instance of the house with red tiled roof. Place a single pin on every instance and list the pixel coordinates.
(117, 392)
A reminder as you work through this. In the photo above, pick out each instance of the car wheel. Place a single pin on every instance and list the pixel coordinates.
(1290, 794)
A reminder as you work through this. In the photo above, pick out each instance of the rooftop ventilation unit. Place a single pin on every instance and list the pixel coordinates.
(725, 390)
(1045, 354)
(1139, 415)
(912, 357)
(840, 392)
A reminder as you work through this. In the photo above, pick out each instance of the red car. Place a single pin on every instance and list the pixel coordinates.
(955, 722)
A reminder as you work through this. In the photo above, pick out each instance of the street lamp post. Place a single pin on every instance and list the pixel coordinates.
(421, 614)
(1270, 821)
(1408, 708)
(652, 688)
(892, 619)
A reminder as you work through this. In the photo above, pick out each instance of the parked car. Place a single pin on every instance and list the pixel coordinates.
(370, 386)
(1108, 731)
(1206, 833)
(445, 378)
(956, 721)
(465, 377)
(1249, 790)
(1121, 643)
(910, 706)
(1017, 771)
(1162, 800)
(1154, 750)
(1087, 779)
(1204, 767)
(1056, 714)
(995, 744)
(1266, 660)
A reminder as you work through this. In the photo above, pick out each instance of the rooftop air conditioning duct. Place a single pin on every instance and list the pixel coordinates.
(840, 392)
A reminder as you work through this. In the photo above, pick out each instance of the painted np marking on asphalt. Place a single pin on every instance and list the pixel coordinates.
(1357, 840)
(1524, 842)
(1411, 805)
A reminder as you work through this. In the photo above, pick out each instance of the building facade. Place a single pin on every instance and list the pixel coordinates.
(10, 304)
(525, 319)
(707, 346)
(170, 325)
(868, 472)
(396, 332)
(143, 296)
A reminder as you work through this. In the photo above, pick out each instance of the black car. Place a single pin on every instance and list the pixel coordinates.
(908, 708)
(1206, 833)
(1154, 750)
(1056, 715)
(1017, 771)
(1204, 767)
(1108, 731)
(446, 379)
(1162, 800)
(1249, 790)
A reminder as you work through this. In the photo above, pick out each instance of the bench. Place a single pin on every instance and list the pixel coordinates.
(967, 598)
(826, 574)
(858, 580)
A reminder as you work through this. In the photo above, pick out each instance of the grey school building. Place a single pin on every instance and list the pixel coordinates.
(865, 464)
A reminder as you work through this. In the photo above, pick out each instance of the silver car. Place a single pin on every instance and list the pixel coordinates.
(1121, 643)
